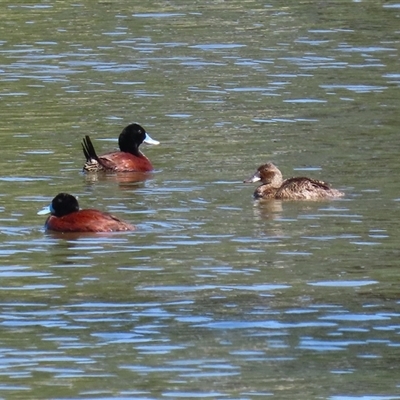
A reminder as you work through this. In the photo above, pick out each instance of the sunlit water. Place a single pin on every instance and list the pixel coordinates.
(214, 295)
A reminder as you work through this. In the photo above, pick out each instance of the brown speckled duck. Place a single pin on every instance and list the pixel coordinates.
(298, 188)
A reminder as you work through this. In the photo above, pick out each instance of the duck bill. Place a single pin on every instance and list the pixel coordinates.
(149, 140)
(255, 178)
(44, 211)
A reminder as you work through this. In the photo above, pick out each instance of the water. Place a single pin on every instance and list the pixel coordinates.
(214, 296)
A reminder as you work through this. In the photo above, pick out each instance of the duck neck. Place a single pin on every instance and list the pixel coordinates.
(274, 180)
(132, 148)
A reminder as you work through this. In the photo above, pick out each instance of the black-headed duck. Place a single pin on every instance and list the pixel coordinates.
(67, 217)
(298, 188)
(128, 159)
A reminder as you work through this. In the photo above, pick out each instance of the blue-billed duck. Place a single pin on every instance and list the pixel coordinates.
(66, 217)
(128, 159)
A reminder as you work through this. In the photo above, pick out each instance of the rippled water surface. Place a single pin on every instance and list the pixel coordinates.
(214, 295)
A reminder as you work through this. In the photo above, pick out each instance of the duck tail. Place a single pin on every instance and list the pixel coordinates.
(93, 162)
(88, 149)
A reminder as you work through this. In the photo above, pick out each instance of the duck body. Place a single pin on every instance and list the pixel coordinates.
(88, 220)
(128, 159)
(297, 188)
(66, 217)
(118, 161)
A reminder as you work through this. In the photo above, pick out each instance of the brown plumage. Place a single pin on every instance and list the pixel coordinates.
(298, 188)
(128, 159)
(67, 217)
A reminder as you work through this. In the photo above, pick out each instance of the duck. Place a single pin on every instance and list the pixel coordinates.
(297, 188)
(67, 217)
(128, 159)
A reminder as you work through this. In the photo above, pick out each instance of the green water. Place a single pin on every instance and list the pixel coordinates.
(214, 296)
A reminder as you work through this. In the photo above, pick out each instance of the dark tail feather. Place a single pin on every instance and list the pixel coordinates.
(88, 149)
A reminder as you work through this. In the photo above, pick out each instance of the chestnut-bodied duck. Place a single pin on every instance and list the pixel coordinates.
(67, 217)
(128, 159)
